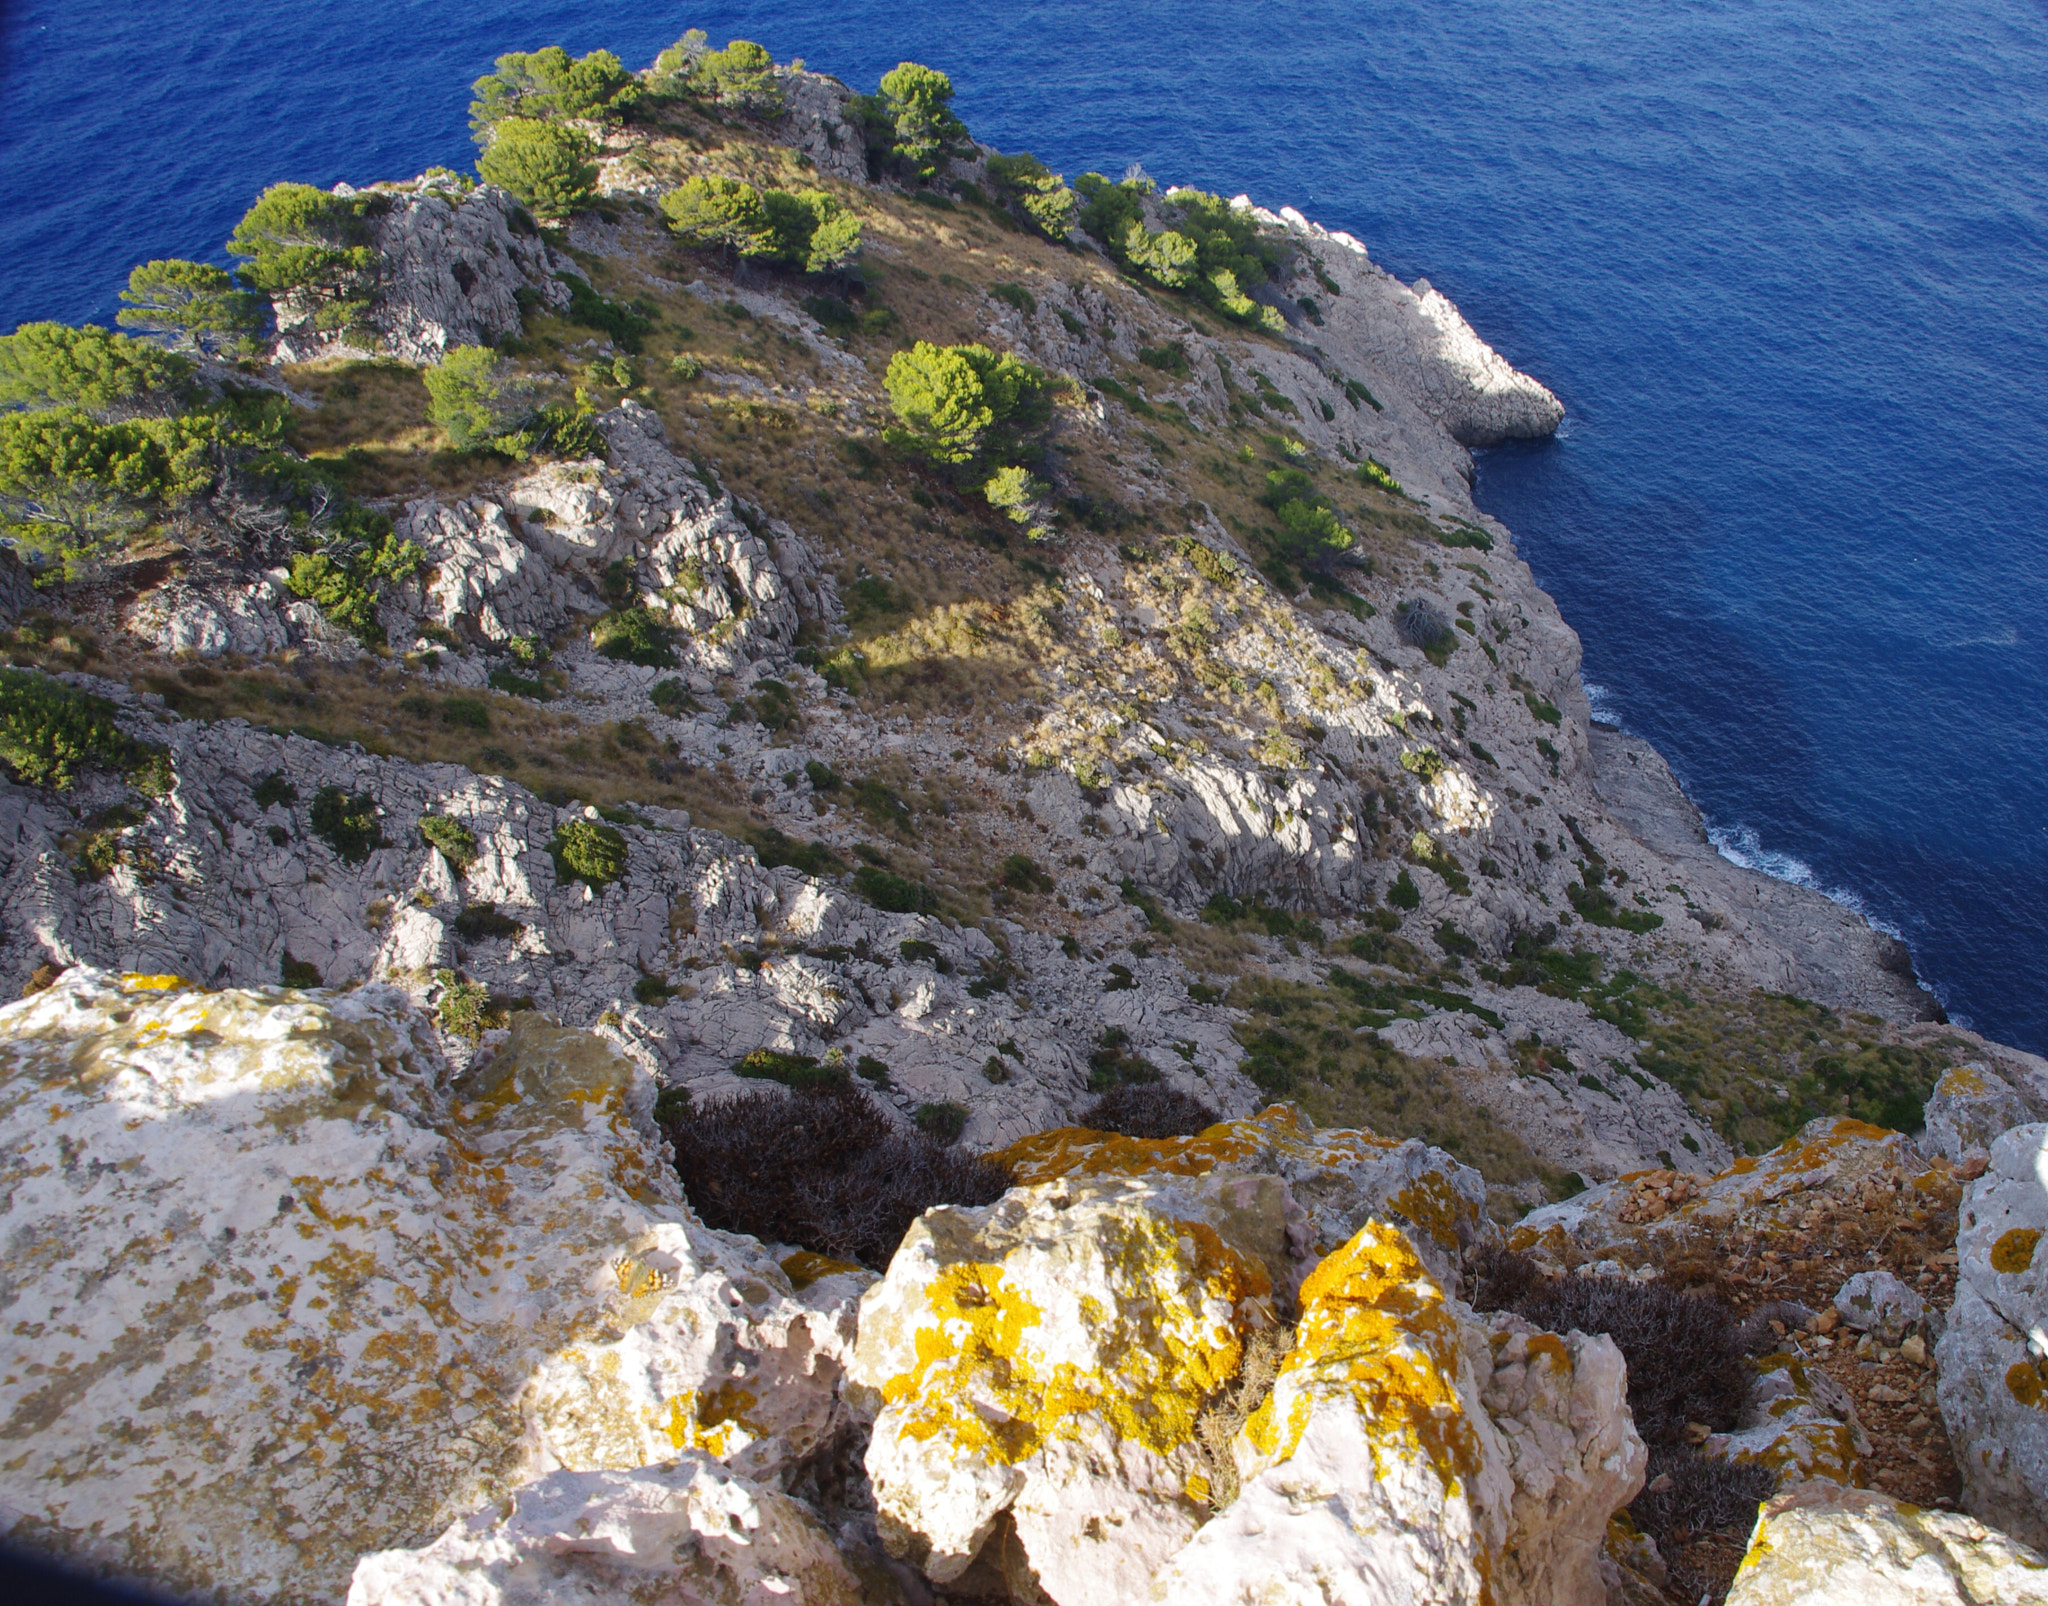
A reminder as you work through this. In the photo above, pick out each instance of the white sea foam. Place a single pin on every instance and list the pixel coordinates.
(1606, 708)
(1739, 844)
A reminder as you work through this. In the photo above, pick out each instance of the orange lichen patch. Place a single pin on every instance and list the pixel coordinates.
(135, 982)
(805, 1267)
(2014, 1251)
(2024, 1383)
(1960, 1081)
(1436, 1208)
(1078, 1151)
(988, 1379)
(1375, 1332)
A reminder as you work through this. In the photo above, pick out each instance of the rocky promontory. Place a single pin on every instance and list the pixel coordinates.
(884, 893)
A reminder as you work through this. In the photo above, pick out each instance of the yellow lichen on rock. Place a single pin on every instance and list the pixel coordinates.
(1047, 1357)
(2013, 1253)
(1375, 1328)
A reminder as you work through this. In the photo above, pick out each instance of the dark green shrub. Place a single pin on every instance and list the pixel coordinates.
(821, 776)
(471, 713)
(543, 164)
(791, 1070)
(273, 790)
(49, 731)
(347, 823)
(872, 1069)
(481, 922)
(673, 698)
(584, 850)
(1148, 1111)
(1404, 894)
(1453, 941)
(634, 636)
(1036, 192)
(774, 849)
(52, 365)
(1114, 1065)
(1017, 296)
(652, 991)
(943, 1122)
(892, 893)
(518, 685)
(916, 951)
(822, 1167)
(1021, 873)
(954, 403)
(626, 325)
(456, 842)
(193, 305)
(297, 972)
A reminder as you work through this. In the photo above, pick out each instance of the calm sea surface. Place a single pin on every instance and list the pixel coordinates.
(1786, 263)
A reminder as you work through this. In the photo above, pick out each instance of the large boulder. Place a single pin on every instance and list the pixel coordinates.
(1821, 1544)
(1970, 1106)
(1042, 1360)
(1340, 1177)
(281, 1289)
(1409, 1452)
(688, 1530)
(1992, 1360)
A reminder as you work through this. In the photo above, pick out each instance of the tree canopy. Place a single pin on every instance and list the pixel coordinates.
(954, 402)
(74, 488)
(192, 305)
(549, 84)
(741, 76)
(299, 240)
(90, 368)
(804, 228)
(1040, 194)
(1212, 252)
(544, 164)
(919, 101)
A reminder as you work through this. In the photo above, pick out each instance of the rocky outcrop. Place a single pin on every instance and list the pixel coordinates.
(572, 539)
(1339, 1178)
(814, 120)
(1041, 1362)
(1972, 1105)
(253, 618)
(453, 261)
(1993, 1358)
(1412, 341)
(1797, 1422)
(336, 1296)
(683, 1530)
(1821, 1543)
(1410, 1453)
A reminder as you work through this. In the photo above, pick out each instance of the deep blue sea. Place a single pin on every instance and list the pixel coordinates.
(1786, 262)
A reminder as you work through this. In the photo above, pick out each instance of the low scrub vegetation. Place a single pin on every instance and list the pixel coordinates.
(49, 732)
(821, 1166)
(1148, 1111)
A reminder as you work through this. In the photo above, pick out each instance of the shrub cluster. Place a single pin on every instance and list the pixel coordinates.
(1211, 251)
(482, 403)
(741, 77)
(634, 636)
(956, 404)
(1037, 194)
(819, 1166)
(347, 822)
(805, 229)
(455, 841)
(313, 247)
(584, 850)
(49, 731)
(1148, 1111)
(1310, 533)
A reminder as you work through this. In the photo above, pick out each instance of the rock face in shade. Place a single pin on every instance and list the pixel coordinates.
(336, 1297)
(675, 1534)
(1410, 1452)
(1993, 1358)
(1822, 1544)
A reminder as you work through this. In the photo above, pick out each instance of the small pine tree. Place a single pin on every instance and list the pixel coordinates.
(192, 305)
(307, 245)
(741, 77)
(723, 213)
(919, 100)
(549, 84)
(544, 164)
(477, 398)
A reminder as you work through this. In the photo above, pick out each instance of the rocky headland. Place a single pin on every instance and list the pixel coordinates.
(694, 999)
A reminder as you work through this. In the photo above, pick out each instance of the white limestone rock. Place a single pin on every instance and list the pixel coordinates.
(1341, 1178)
(282, 1289)
(1798, 1422)
(1043, 1359)
(676, 1533)
(1876, 1302)
(1992, 1360)
(1410, 1453)
(452, 261)
(1971, 1105)
(205, 621)
(1820, 1544)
